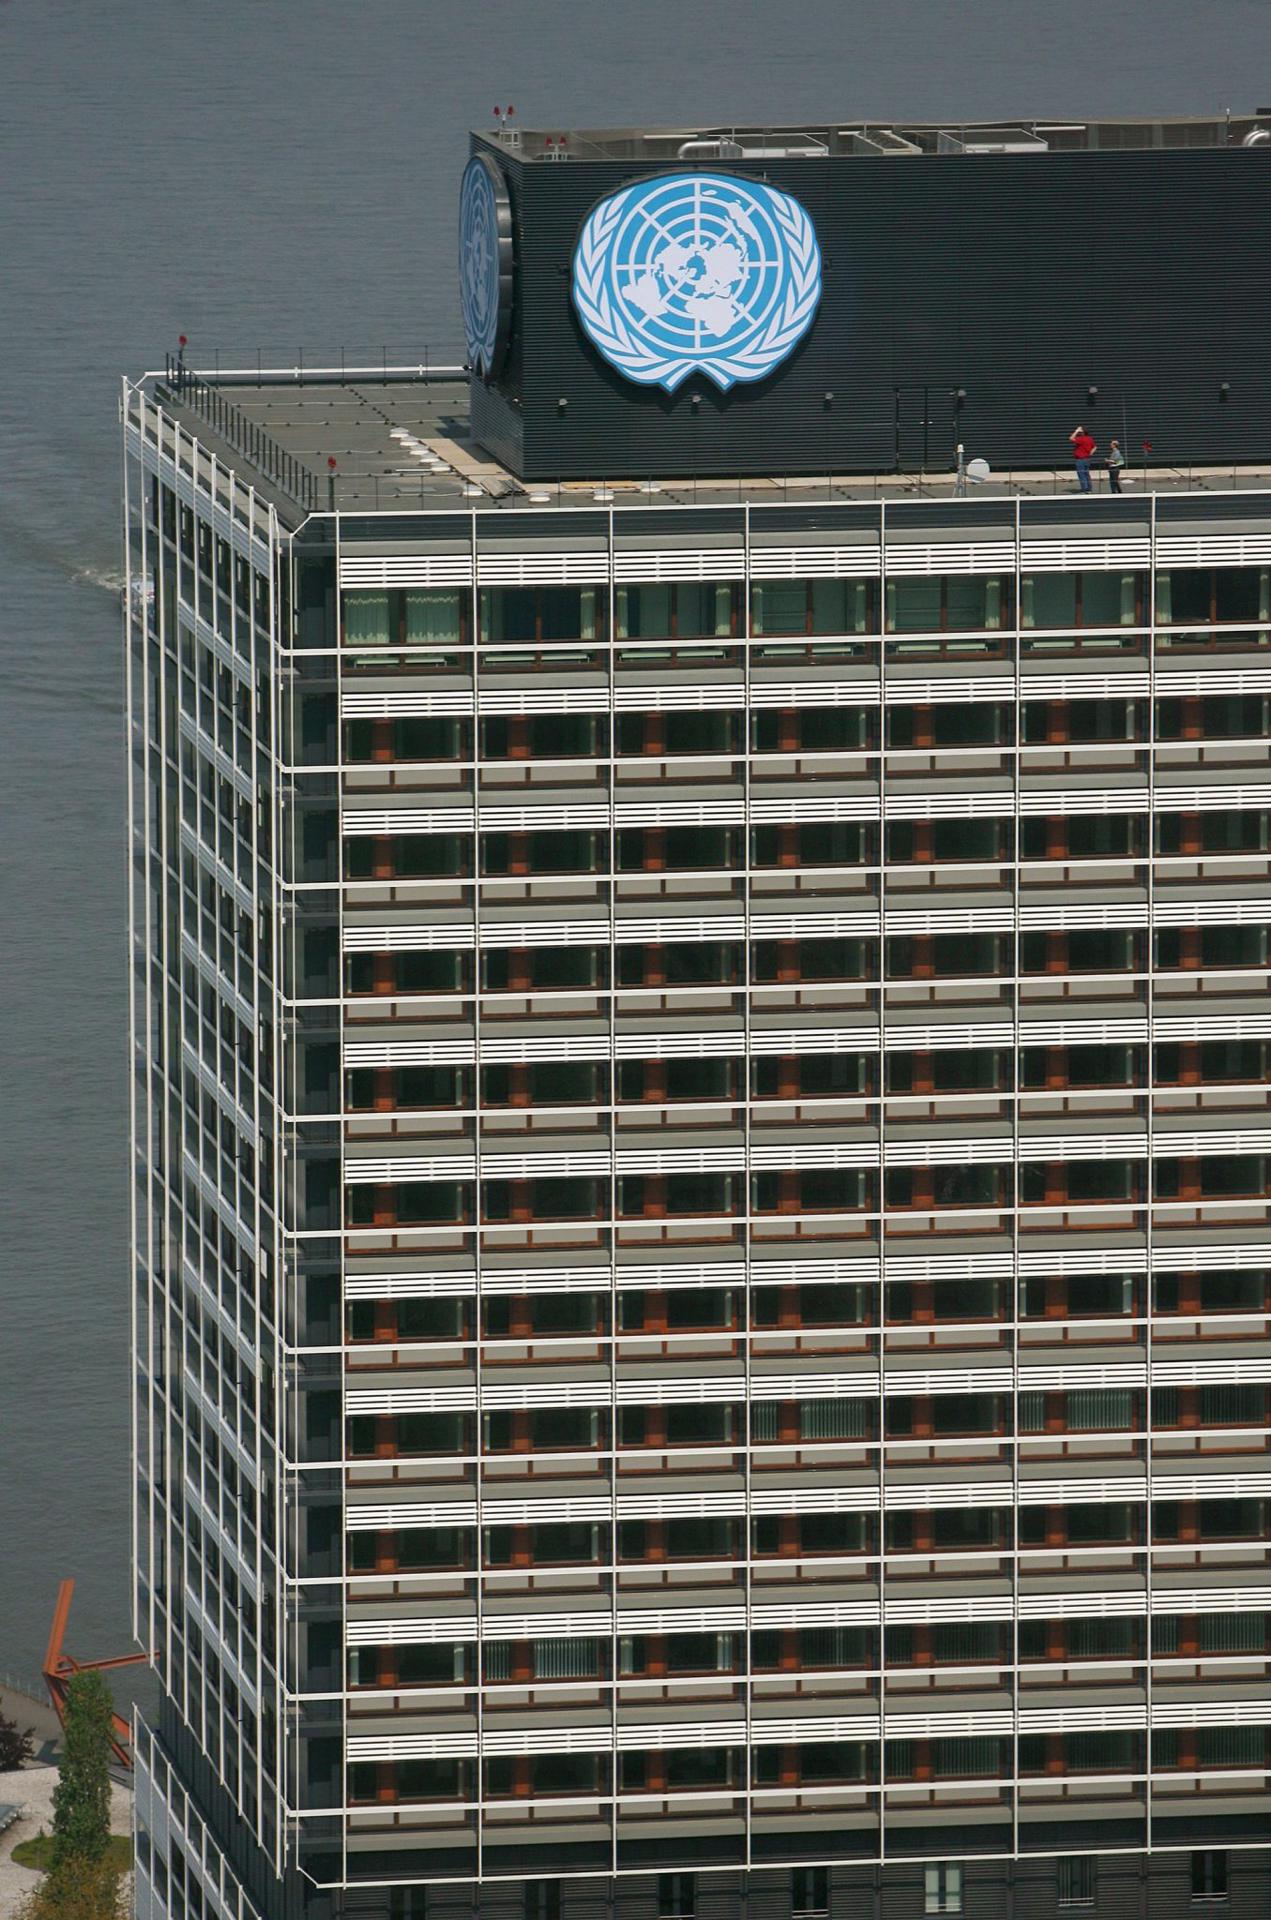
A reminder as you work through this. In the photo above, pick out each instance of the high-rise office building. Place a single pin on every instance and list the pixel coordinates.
(700, 1049)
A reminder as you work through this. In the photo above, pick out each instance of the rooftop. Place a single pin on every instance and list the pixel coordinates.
(876, 139)
(366, 440)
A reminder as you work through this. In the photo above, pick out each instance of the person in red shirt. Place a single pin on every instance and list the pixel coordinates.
(1084, 448)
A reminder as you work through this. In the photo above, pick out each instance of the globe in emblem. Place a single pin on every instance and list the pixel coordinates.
(696, 272)
(485, 261)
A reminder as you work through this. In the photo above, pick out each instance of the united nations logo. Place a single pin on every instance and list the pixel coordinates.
(697, 272)
(485, 262)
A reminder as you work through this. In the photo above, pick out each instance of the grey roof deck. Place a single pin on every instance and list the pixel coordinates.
(401, 443)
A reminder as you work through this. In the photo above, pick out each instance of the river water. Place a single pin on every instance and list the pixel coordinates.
(281, 175)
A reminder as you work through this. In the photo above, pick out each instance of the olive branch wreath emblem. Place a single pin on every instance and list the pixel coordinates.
(480, 275)
(640, 360)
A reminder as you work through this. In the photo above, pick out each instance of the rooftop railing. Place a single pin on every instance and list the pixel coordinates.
(287, 473)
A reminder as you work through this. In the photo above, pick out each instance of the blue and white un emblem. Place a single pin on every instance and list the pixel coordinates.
(485, 262)
(697, 272)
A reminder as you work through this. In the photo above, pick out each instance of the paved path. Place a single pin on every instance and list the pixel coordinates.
(33, 1788)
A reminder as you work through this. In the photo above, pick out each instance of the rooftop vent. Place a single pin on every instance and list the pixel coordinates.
(990, 140)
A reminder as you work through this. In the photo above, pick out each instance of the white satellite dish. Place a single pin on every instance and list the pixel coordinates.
(979, 471)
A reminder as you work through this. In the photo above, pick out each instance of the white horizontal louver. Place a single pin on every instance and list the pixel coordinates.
(984, 556)
(950, 920)
(656, 564)
(811, 693)
(961, 1608)
(903, 692)
(1211, 1486)
(1097, 1033)
(814, 563)
(1084, 1260)
(1210, 1599)
(454, 1166)
(1250, 1026)
(1069, 800)
(811, 926)
(1211, 913)
(1061, 919)
(1071, 556)
(1213, 680)
(405, 570)
(542, 569)
(383, 706)
(358, 822)
(413, 1633)
(1219, 1712)
(1215, 799)
(543, 700)
(413, 1286)
(862, 1497)
(1080, 1606)
(949, 805)
(564, 933)
(1079, 1378)
(1202, 1256)
(733, 696)
(667, 697)
(668, 932)
(1129, 685)
(1078, 1719)
(815, 807)
(808, 1039)
(1196, 1373)
(678, 813)
(417, 939)
(1225, 1140)
(1213, 550)
(410, 1053)
(772, 1732)
(568, 1047)
(1062, 1493)
(949, 1266)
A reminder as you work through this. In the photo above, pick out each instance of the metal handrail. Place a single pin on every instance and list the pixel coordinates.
(277, 465)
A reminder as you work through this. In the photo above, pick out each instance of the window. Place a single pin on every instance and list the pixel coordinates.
(1209, 1875)
(529, 614)
(414, 618)
(407, 1903)
(942, 1890)
(706, 609)
(1192, 596)
(809, 1890)
(811, 606)
(811, 729)
(677, 1896)
(1075, 1881)
(1088, 599)
(542, 1900)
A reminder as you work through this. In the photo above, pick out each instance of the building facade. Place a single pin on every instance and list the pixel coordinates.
(703, 1290)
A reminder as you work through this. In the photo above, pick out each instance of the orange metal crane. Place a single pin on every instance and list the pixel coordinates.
(60, 1669)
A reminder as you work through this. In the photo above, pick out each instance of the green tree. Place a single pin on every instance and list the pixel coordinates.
(15, 1745)
(81, 1798)
(78, 1890)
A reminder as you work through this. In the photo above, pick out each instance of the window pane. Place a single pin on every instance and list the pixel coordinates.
(366, 619)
